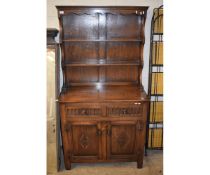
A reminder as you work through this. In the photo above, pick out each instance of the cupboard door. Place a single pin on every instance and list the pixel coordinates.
(121, 140)
(83, 139)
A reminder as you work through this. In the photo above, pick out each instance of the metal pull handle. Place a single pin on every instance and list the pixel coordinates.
(99, 132)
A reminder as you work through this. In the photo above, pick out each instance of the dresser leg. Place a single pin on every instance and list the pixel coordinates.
(139, 164)
(140, 160)
(140, 156)
(68, 166)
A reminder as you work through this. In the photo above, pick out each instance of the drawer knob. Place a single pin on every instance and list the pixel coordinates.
(83, 111)
(137, 103)
(124, 111)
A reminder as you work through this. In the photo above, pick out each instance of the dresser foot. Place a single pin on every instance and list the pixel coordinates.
(68, 166)
(139, 164)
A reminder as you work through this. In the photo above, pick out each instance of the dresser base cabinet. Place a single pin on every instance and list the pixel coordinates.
(99, 133)
(103, 106)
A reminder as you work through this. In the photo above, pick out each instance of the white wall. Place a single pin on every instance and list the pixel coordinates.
(52, 20)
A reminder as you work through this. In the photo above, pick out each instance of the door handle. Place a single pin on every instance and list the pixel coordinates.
(99, 132)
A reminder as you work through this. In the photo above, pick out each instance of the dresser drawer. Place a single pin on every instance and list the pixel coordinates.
(83, 110)
(125, 110)
(134, 109)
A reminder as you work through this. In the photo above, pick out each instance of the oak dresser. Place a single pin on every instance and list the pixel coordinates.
(103, 106)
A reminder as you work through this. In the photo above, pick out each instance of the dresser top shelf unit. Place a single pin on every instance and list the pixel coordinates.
(102, 46)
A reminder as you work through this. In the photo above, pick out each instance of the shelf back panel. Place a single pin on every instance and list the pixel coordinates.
(123, 51)
(102, 26)
(78, 51)
(93, 74)
(80, 26)
(107, 51)
(123, 26)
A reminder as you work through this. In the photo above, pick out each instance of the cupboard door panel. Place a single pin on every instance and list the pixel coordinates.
(121, 140)
(84, 141)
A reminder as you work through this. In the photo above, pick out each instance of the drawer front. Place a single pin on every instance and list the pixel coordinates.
(134, 109)
(82, 110)
(125, 110)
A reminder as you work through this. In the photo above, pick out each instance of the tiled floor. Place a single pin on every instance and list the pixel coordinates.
(153, 165)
